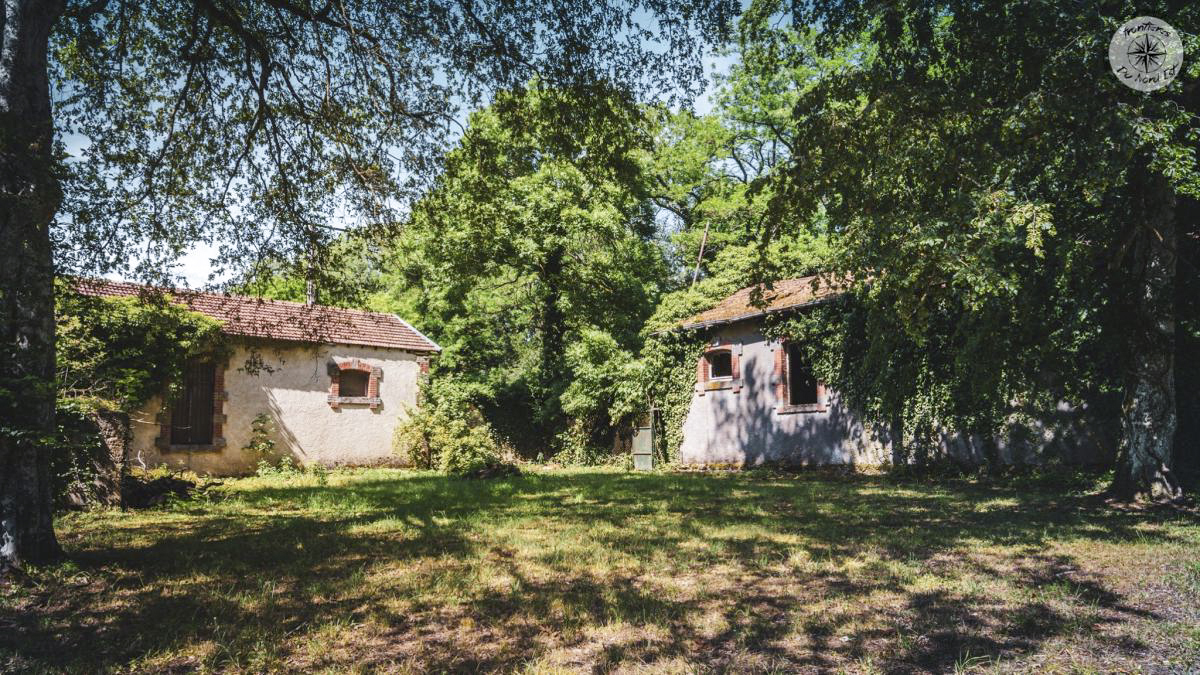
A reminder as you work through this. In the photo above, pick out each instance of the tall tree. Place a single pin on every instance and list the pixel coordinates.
(29, 198)
(248, 125)
(1000, 194)
(713, 179)
(532, 238)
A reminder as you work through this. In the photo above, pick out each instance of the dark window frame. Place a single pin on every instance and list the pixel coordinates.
(193, 420)
(353, 383)
(803, 388)
(712, 356)
(785, 371)
(705, 381)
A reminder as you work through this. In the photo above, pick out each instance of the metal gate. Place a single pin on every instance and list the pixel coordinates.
(643, 442)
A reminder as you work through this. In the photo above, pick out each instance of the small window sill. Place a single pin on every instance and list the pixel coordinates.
(372, 401)
(217, 445)
(802, 408)
(719, 385)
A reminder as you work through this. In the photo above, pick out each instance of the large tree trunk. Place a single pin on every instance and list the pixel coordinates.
(1144, 464)
(29, 197)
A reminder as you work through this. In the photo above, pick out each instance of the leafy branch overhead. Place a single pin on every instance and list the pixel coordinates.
(262, 127)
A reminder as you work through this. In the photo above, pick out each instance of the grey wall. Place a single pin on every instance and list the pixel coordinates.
(743, 427)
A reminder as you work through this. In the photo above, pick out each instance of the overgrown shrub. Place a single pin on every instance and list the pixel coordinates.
(455, 440)
(77, 464)
(116, 353)
(466, 449)
(413, 438)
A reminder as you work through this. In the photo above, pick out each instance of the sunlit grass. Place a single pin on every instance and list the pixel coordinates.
(603, 570)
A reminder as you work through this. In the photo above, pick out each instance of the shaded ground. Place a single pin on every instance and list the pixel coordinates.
(605, 571)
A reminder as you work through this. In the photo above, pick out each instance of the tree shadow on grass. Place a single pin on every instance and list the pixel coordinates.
(254, 578)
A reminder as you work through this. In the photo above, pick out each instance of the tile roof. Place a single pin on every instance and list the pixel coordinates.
(281, 320)
(783, 295)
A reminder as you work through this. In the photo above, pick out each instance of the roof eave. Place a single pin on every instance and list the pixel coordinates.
(746, 317)
(433, 349)
(436, 347)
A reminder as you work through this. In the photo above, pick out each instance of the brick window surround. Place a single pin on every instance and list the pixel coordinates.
(705, 383)
(220, 395)
(371, 400)
(785, 406)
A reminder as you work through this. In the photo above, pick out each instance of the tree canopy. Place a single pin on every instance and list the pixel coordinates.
(1012, 213)
(131, 131)
(531, 239)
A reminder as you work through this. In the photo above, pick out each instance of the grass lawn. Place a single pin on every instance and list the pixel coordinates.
(603, 570)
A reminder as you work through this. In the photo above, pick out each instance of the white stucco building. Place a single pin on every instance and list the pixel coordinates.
(334, 383)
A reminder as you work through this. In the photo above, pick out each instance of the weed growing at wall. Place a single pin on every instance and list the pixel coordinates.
(262, 438)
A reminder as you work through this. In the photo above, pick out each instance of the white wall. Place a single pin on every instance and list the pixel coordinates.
(294, 394)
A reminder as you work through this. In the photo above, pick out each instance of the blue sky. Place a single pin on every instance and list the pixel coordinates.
(196, 264)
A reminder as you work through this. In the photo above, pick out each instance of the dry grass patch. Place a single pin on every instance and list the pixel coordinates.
(607, 571)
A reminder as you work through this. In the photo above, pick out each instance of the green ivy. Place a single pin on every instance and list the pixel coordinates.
(116, 353)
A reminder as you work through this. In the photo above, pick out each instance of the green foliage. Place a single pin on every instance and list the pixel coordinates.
(714, 177)
(262, 438)
(667, 375)
(285, 467)
(256, 125)
(532, 241)
(77, 442)
(345, 273)
(413, 439)
(466, 449)
(450, 436)
(117, 353)
(596, 400)
(539, 265)
(992, 267)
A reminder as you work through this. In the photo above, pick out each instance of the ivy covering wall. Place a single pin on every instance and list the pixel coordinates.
(113, 355)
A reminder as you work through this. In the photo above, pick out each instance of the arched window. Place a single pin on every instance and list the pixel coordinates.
(797, 387)
(718, 368)
(720, 365)
(354, 382)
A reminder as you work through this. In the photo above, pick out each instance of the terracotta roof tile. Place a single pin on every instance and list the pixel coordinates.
(783, 295)
(281, 320)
